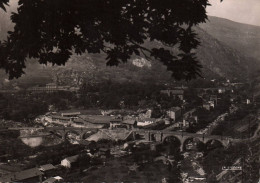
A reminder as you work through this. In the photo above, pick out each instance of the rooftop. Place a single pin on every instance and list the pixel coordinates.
(72, 158)
(70, 113)
(175, 108)
(98, 119)
(53, 179)
(129, 121)
(46, 167)
(149, 119)
(22, 175)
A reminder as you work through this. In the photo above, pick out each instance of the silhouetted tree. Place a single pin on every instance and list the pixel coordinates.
(51, 31)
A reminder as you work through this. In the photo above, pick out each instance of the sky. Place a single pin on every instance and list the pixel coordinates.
(243, 11)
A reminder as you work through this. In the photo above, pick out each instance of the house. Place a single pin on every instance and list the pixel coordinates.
(70, 114)
(82, 123)
(99, 120)
(189, 121)
(221, 90)
(53, 179)
(29, 175)
(214, 98)
(174, 113)
(189, 113)
(130, 123)
(103, 152)
(146, 121)
(47, 167)
(115, 123)
(248, 101)
(174, 93)
(208, 105)
(67, 162)
(167, 121)
(145, 114)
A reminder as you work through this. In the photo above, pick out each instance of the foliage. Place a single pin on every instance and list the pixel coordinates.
(120, 29)
(246, 152)
(21, 108)
(26, 106)
(133, 95)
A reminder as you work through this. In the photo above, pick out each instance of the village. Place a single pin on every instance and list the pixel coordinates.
(95, 138)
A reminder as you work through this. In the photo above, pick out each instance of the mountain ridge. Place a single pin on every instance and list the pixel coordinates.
(217, 53)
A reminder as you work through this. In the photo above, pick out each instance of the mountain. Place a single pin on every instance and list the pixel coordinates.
(222, 59)
(242, 37)
(228, 49)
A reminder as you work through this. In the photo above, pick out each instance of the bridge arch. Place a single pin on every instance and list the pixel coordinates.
(173, 141)
(57, 133)
(190, 142)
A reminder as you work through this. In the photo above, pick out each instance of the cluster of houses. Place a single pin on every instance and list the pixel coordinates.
(181, 116)
(32, 175)
(45, 173)
(76, 119)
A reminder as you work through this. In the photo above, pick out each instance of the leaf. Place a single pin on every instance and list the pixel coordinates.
(2, 6)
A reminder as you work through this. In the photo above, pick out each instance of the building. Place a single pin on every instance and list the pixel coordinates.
(81, 123)
(146, 121)
(47, 167)
(67, 162)
(174, 93)
(248, 101)
(221, 90)
(174, 113)
(96, 120)
(115, 123)
(53, 179)
(167, 121)
(70, 114)
(189, 113)
(29, 175)
(123, 123)
(214, 98)
(103, 152)
(208, 105)
(130, 123)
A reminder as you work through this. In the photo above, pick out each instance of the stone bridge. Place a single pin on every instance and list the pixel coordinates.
(62, 132)
(182, 137)
(149, 135)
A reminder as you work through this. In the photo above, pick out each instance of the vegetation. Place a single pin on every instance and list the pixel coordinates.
(247, 156)
(128, 95)
(25, 107)
(21, 108)
(245, 118)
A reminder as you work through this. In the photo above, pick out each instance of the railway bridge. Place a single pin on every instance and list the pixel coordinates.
(181, 137)
(62, 132)
(150, 135)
